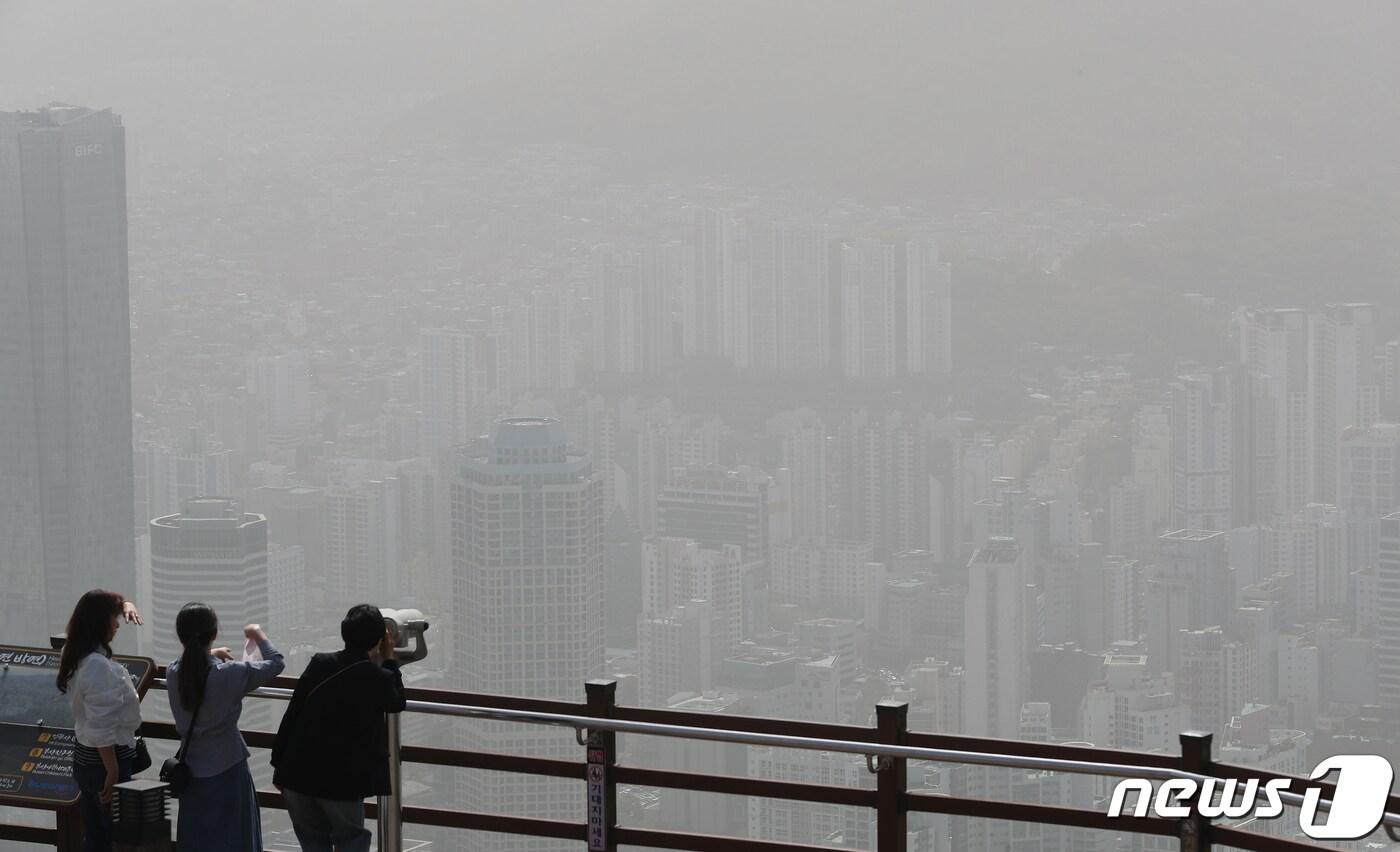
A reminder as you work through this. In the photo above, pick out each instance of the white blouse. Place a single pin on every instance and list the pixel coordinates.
(106, 710)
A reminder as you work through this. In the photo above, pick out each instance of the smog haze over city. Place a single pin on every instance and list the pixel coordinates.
(1032, 365)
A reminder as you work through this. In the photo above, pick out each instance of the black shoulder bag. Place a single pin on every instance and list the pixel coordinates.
(142, 761)
(175, 771)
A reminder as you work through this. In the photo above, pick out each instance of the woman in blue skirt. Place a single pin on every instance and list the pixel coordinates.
(219, 808)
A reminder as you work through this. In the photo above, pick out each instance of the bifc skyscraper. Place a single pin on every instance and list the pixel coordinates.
(66, 491)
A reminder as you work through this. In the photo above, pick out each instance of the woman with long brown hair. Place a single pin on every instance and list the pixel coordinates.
(106, 709)
(219, 808)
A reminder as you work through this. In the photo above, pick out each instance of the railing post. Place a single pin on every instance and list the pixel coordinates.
(391, 806)
(602, 755)
(891, 818)
(1195, 757)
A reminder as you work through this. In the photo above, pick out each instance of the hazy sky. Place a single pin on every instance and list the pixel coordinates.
(1163, 98)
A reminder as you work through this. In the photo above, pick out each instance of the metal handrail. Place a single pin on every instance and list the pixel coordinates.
(870, 749)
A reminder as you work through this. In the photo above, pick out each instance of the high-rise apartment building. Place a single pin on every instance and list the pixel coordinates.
(1218, 675)
(453, 385)
(1202, 461)
(1128, 708)
(295, 518)
(1129, 532)
(678, 572)
(1187, 588)
(286, 588)
(551, 358)
(1274, 346)
(1151, 464)
(800, 270)
(675, 652)
(869, 310)
(211, 551)
(362, 557)
(1345, 386)
(895, 309)
(1311, 547)
(715, 507)
(1253, 454)
(786, 821)
(995, 653)
(168, 475)
(1005, 784)
(1390, 379)
(804, 445)
(527, 554)
(928, 311)
(891, 493)
(1368, 482)
(630, 313)
(1318, 376)
(282, 385)
(707, 286)
(834, 575)
(1388, 611)
(66, 480)
(1109, 601)
(1368, 486)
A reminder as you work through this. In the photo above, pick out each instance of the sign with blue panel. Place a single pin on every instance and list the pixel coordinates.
(36, 726)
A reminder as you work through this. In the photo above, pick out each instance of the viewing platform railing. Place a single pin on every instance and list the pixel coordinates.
(888, 746)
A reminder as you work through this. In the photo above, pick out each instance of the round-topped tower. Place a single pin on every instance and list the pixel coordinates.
(529, 440)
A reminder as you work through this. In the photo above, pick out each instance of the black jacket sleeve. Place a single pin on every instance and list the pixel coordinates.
(393, 698)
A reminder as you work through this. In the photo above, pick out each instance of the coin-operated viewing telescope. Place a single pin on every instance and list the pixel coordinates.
(405, 625)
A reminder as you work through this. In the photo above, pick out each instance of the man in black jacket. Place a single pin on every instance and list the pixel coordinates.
(332, 747)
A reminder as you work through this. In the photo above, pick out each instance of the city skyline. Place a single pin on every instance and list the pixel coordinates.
(1039, 382)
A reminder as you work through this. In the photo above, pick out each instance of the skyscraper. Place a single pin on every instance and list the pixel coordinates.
(65, 365)
(211, 551)
(527, 550)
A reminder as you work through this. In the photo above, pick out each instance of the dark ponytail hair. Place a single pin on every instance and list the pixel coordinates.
(196, 625)
(87, 631)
